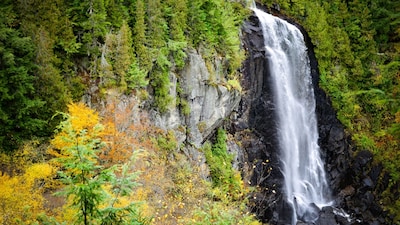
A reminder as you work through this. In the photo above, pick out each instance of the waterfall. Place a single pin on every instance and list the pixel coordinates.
(305, 187)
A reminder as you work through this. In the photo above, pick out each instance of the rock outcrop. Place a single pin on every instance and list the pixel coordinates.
(207, 97)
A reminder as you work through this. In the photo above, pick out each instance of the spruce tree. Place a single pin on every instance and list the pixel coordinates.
(139, 34)
(159, 52)
(20, 117)
(123, 54)
(117, 12)
(45, 23)
(176, 12)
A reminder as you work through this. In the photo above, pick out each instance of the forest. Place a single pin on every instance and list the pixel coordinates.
(64, 162)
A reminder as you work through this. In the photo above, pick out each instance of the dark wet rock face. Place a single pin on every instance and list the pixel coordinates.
(353, 180)
(256, 129)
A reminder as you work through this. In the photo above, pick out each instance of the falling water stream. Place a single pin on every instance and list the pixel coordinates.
(305, 187)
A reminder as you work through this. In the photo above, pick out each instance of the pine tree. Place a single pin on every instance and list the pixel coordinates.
(123, 54)
(359, 29)
(157, 26)
(49, 83)
(176, 12)
(47, 25)
(136, 77)
(386, 22)
(196, 26)
(139, 34)
(117, 12)
(224, 178)
(95, 26)
(159, 52)
(89, 18)
(19, 106)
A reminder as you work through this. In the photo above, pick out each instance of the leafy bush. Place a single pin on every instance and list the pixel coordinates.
(166, 142)
(21, 197)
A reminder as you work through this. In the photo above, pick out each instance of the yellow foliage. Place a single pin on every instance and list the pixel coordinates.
(119, 144)
(21, 197)
(82, 117)
(67, 214)
(38, 171)
(126, 129)
(141, 194)
(173, 190)
(18, 161)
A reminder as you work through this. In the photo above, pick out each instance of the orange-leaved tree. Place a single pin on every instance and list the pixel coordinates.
(126, 129)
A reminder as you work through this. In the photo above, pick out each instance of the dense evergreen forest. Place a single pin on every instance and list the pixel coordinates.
(55, 52)
(51, 51)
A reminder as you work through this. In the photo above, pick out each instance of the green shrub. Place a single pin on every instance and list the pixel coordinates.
(226, 181)
(167, 142)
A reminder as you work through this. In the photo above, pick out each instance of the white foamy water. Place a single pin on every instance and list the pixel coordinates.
(305, 186)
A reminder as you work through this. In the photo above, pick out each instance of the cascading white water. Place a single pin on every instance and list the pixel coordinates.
(305, 186)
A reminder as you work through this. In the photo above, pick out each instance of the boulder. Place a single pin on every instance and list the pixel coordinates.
(326, 216)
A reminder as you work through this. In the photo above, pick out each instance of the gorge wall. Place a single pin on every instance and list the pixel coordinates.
(354, 180)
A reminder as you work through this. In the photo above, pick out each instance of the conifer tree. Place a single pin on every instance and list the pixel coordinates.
(196, 26)
(386, 22)
(117, 12)
(159, 52)
(19, 106)
(157, 26)
(49, 83)
(44, 22)
(176, 12)
(90, 28)
(359, 29)
(139, 34)
(123, 54)
(95, 25)
(136, 77)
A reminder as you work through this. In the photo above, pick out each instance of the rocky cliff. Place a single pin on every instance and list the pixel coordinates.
(202, 101)
(207, 96)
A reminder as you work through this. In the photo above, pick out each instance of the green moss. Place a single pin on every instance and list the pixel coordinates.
(234, 84)
(185, 108)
